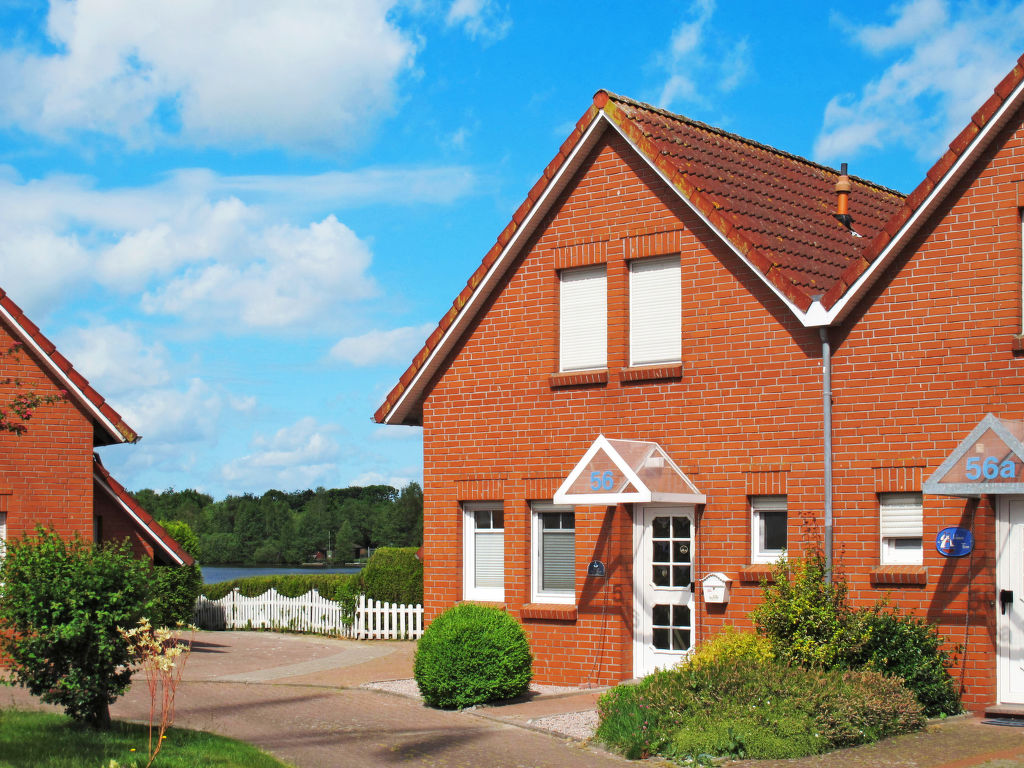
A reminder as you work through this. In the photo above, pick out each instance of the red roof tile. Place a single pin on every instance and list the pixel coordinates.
(148, 527)
(111, 428)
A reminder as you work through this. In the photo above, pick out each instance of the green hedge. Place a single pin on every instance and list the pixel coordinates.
(333, 586)
(393, 575)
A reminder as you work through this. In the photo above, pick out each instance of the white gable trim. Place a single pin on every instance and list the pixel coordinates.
(819, 316)
(69, 385)
(131, 513)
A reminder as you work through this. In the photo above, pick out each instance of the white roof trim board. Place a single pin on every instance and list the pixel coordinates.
(816, 316)
(131, 513)
(69, 385)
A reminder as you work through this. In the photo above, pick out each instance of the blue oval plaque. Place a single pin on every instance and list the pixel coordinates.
(954, 542)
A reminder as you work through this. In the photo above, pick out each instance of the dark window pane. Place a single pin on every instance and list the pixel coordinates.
(681, 527)
(497, 519)
(680, 575)
(660, 576)
(661, 639)
(680, 616)
(661, 551)
(680, 639)
(660, 526)
(680, 551)
(660, 615)
(774, 530)
(482, 519)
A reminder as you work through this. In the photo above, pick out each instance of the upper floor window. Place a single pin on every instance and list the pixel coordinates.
(655, 311)
(554, 554)
(583, 318)
(900, 523)
(484, 563)
(769, 528)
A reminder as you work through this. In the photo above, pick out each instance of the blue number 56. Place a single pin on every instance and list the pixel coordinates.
(601, 481)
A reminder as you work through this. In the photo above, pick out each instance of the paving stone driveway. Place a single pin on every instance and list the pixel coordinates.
(298, 698)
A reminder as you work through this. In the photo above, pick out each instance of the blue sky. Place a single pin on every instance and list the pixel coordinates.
(241, 218)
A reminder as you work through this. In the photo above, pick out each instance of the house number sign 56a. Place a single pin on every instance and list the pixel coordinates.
(990, 468)
(602, 481)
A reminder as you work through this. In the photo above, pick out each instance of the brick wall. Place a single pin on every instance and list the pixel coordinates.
(928, 355)
(45, 474)
(116, 525)
(744, 416)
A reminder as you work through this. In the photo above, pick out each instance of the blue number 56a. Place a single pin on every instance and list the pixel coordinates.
(601, 481)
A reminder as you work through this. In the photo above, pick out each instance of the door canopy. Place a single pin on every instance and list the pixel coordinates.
(990, 460)
(622, 471)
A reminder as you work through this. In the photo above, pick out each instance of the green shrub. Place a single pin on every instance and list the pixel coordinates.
(333, 586)
(61, 603)
(174, 588)
(393, 575)
(763, 709)
(732, 646)
(472, 654)
(909, 648)
(806, 619)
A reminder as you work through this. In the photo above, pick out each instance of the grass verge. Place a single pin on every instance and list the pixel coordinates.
(44, 740)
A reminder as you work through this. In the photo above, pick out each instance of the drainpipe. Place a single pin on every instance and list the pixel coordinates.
(826, 395)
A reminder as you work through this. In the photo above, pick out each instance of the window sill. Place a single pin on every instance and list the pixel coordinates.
(757, 572)
(899, 575)
(579, 378)
(558, 612)
(652, 372)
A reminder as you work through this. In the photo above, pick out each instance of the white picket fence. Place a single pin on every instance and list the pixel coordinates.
(372, 620)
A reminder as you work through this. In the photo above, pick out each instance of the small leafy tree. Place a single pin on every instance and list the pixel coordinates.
(23, 405)
(61, 603)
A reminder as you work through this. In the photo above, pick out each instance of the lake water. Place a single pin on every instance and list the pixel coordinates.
(215, 573)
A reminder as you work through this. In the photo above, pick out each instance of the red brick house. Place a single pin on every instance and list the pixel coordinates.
(50, 475)
(689, 352)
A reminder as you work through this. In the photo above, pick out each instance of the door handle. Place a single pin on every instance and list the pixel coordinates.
(1005, 598)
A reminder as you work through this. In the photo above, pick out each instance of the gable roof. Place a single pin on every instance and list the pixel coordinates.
(771, 208)
(145, 524)
(108, 426)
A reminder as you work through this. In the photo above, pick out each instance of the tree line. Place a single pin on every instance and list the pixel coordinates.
(288, 528)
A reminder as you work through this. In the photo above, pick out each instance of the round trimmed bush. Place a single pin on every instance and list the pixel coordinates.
(472, 654)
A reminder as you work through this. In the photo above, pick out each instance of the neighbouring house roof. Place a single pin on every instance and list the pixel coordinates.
(774, 210)
(108, 426)
(147, 526)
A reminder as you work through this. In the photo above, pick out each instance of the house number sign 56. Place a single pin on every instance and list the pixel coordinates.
(990, 468)
(602, 481)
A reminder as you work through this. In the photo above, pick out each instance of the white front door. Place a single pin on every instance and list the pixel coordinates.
(663, 546)
(1010, 599)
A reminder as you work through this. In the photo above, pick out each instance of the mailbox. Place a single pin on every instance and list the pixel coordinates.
(716, 587)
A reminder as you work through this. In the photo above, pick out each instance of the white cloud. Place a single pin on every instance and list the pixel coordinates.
(693, 56)
(288, 275)
(256, 72)
(485, 20)
(376, 478)
(948, 65)
(171, 415)
(302, 455)
(115, 359)
(198, 247)
(376, 347)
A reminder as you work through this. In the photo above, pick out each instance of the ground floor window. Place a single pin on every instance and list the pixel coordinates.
(769, 528)
(901, 528)
(553, 554)
(484, 563)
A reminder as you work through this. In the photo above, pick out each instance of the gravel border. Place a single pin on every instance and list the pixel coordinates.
(407, 687)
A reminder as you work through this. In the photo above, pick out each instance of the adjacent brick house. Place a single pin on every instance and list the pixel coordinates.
(50, 475)
(689, 352)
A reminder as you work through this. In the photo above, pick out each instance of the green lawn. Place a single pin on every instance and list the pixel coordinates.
(41, 740)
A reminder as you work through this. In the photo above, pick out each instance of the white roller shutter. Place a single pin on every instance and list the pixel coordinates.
(583, 319)
(490, 559)
(900, 515)
(655, 311)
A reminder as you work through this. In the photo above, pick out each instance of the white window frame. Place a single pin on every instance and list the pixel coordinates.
(3, 534)
(470, 591)
(583, 318)
(538, 593)
(655, 311)
(895, 535)
(766, 503)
